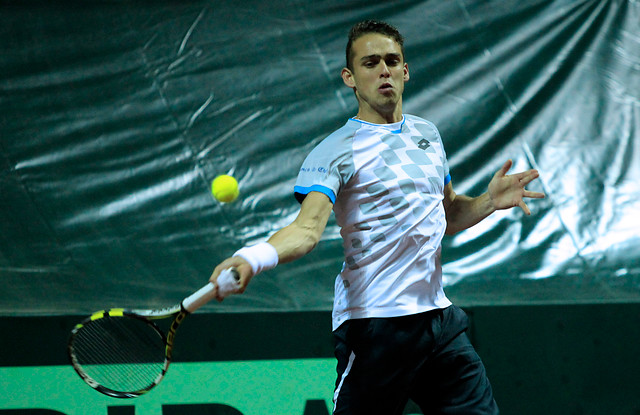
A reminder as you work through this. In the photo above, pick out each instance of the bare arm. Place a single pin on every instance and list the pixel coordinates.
(303, 234)
(291, 242)
(504, 192)
(463, 211)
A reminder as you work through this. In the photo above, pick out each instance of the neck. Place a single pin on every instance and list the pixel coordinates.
(368, 114)
(375, 120)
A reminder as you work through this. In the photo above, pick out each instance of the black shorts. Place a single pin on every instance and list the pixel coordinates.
(426, 357)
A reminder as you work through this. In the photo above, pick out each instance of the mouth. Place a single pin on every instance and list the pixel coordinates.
(386, 87)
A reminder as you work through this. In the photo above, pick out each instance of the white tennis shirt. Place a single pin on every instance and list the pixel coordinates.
(386, 182)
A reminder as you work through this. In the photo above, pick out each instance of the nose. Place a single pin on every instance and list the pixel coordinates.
(384, 70)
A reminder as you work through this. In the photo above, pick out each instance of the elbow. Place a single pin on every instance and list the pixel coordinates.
(453, 226)
(451, 230)
(309, 243)
(304, 244)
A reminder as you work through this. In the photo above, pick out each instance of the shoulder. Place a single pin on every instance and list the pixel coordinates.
(337, 142)
(346, 132)
(415, 120)
(425, 127)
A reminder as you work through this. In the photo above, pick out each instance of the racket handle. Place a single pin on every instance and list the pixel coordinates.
(228, 283)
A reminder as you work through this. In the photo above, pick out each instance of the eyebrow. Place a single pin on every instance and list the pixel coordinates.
(388, 55)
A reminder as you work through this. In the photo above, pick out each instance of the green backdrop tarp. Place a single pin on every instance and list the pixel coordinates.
(116, 115)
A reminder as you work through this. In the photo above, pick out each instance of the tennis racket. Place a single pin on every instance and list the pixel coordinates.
(123, 353)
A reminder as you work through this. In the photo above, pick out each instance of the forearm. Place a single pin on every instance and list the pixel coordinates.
(289, 243)
(303, 234)
(465, 212)
(294, 241)
(504, 192)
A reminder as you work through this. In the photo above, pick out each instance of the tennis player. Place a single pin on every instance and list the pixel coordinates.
(385, 176)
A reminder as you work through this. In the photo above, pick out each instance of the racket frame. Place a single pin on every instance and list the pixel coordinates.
(124, 313)
(228, 283)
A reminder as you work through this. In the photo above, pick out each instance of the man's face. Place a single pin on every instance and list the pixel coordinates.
(378, 75)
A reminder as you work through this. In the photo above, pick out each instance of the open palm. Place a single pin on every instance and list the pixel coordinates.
(507, 191)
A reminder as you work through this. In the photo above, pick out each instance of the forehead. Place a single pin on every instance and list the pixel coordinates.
(374, 44)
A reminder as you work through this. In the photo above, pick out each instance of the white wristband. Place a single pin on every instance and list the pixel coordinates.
(261, 257)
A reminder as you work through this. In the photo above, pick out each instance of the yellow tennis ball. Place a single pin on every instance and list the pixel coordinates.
(225, 188)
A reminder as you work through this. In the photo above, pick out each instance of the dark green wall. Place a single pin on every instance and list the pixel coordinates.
(577, 360)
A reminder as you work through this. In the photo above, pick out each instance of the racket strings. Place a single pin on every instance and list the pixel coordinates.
(120, 353)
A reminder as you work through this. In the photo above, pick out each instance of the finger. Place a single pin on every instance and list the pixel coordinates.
(216, 272)
(505, 168)
(214, 280)
(241, 266)
(228, 283)
(524, 208)
(226, 264)
(534, 195)
(528, 176)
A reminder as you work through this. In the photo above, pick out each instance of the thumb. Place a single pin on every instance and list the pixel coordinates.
(505, 168)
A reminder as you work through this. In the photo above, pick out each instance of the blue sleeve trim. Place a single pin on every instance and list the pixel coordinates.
(447, 179)
(301, 192)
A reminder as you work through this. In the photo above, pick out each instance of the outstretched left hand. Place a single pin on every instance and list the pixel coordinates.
(507, 191)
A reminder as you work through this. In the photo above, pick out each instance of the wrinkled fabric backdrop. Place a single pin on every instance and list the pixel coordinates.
(116, 115)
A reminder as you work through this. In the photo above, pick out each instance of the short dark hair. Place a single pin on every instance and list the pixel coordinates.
(372, 26)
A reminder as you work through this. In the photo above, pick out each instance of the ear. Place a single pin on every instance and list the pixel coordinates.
(406, 72)
(347, 78)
